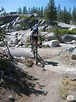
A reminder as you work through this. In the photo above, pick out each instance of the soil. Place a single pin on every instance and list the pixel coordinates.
(38, 85)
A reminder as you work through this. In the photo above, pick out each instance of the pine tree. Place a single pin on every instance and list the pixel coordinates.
(2, 11)
(29, 10)
(59, 13)
(74, 15)
(51, 12)
(19, 10)
(24, 10)
(41, 12)
(66, 15)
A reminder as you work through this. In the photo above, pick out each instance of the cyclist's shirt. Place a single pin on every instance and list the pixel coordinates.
(34, 36)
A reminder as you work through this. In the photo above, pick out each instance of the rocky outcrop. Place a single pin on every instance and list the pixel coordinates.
(68, 38)
(15, 22)
(52, 43)
(49, 36)
(7, 18)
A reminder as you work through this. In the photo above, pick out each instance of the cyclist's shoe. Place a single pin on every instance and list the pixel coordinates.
(40, 43)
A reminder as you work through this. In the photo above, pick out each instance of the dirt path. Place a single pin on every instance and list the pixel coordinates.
(47, 83)
(46, 86)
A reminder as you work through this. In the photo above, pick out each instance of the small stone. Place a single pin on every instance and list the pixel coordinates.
(70, 98)
(29, 62)
(11, 98)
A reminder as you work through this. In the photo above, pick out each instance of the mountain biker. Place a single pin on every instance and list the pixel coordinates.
(34, 36)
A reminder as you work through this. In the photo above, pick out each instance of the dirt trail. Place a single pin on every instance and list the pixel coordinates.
(47, 83)
(46, 86)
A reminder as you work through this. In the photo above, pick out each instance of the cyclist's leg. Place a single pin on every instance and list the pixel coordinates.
(31, 42)
(36, 39)
(36, 57)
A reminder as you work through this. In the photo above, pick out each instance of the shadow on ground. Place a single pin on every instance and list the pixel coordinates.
(51, 63)
(44, 63)
(15, 79)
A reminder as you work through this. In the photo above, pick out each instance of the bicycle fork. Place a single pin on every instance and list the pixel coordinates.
(40, 60)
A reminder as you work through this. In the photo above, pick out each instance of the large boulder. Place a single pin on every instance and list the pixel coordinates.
(55, 43)
(7, 18)
(68, 38)
(49, 36)
(63, 25)
(70, 49)
(52, 43)
(17, 27)
(21, 52)
(41, 23)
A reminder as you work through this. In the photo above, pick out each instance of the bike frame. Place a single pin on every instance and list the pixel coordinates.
(36, 55)
(35, 49)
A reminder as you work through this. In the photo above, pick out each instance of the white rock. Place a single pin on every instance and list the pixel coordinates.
(70, 98)
(52, 43)
(10, 97)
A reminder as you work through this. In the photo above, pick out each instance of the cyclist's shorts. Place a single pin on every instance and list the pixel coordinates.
(35, 38)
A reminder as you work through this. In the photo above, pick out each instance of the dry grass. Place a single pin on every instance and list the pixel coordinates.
(67, 85)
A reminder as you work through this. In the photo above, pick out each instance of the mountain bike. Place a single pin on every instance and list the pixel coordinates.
(35, 50)
(37, 57)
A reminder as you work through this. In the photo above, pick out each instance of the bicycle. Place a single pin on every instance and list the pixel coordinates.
(37, 57)
(35, 49)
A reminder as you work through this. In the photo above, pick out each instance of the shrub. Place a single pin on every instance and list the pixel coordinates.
(64, 31)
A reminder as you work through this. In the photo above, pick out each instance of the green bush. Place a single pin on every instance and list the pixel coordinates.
(32, 19)
(24, 16)
(65, 31)
(23, 26)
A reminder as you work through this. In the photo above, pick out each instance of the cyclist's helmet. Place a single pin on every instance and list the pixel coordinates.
(35, 30)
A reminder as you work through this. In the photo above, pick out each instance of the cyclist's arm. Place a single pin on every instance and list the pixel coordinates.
(40, 37)
(30, 36)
